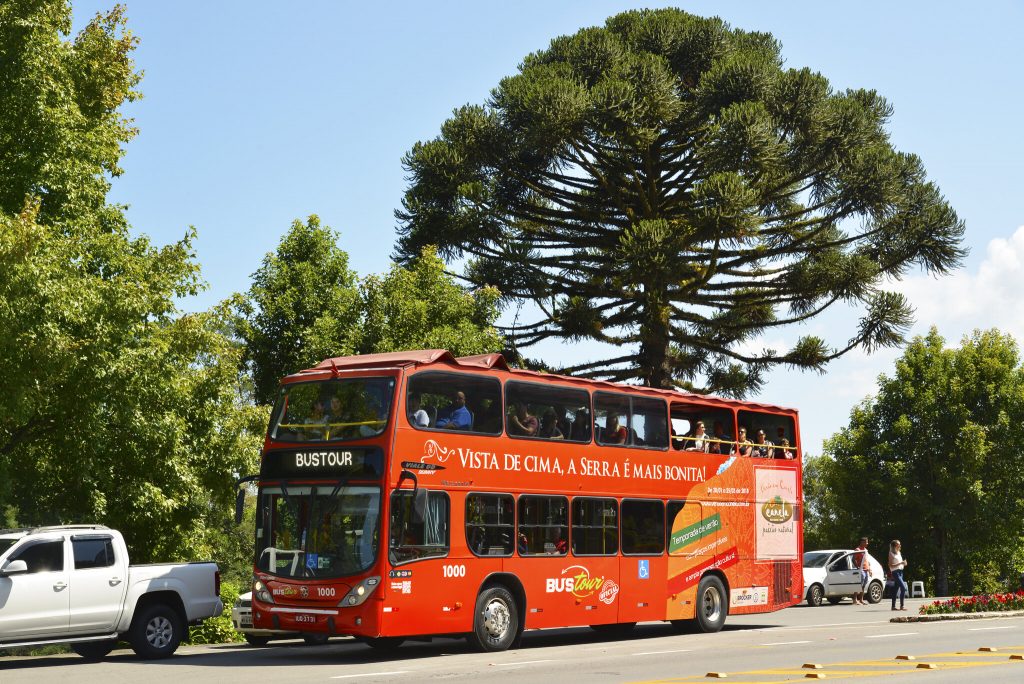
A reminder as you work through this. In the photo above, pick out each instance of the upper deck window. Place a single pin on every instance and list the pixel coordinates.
(333, 410)
(459, 402)
(547, 412)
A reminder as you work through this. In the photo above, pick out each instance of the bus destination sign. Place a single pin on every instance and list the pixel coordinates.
(353, 462)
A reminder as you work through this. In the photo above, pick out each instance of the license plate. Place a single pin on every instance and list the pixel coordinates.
(305, 618)
(246, 623)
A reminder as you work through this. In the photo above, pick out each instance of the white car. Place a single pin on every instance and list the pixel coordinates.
(241, 616)
(833, 575)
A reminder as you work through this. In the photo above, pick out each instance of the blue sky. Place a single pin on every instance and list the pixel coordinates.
(258, 113)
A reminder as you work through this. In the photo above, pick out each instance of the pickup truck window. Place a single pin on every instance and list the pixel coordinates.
(93, 553)
(43, 556)
(318, 531)
(6, 544)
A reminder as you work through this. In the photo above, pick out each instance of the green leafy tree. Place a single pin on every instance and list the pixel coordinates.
(422, 307)
(303, 306)
(116, 409)
(663, 185)
(935, 460)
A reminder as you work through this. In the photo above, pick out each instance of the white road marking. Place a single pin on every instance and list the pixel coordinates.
(982, 629)
(882, 636)
(372, 674)
(680, 650)
(785, 643)
(523, 662)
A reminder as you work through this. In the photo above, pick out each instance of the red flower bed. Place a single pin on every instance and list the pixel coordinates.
(982, 603)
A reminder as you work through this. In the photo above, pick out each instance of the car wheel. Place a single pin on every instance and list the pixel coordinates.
(156, 632)
(496, 624)
(712, 605)
(875, 592)
(814, 595)
(835, 600)
(257, 640)
(94, 650)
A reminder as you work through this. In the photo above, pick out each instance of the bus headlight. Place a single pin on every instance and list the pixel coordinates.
(261, 592)
(360, 592)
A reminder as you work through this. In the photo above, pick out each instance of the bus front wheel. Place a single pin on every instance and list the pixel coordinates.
(712, 605)
(496, 621)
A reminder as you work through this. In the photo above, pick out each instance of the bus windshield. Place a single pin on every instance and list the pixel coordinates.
(331, 411)
(323, 531)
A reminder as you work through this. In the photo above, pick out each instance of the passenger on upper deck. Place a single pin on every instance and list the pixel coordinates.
(549, 426)
(317, 418)
(742, 445)
(698, 441)
(521, 422)
(719, 443)
(417, 416)
(786, 452)
(456, 416)
(762, 448)
(613, 432)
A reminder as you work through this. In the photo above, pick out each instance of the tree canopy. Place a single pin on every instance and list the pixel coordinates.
(116, 408)
(934, 460)
(662, 184)
(305, 305)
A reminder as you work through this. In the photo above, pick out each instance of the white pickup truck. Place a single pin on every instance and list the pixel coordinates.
(72, 585)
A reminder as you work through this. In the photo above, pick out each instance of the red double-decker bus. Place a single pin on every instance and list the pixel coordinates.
(415, 494)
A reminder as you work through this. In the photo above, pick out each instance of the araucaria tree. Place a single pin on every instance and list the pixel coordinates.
(664, 185)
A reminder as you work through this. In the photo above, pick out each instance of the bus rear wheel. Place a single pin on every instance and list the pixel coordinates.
(496, 621)
(712, 606)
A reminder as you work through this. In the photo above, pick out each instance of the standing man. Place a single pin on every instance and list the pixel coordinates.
(861, 561)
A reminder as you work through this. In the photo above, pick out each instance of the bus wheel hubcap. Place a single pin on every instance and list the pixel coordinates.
(712, 604)
(496, 619)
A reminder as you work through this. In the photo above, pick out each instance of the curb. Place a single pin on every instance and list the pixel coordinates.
(959, 616)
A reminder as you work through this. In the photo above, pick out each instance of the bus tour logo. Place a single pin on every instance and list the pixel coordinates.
(777, 511)
(582, 585)
(432, 449)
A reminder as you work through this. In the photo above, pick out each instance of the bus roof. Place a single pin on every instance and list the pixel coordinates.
(495, 361)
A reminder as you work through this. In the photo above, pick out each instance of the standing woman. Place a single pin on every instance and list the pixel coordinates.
(896, 566)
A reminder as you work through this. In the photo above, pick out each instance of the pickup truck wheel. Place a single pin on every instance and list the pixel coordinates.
(94, 650)
(257, 640)
(155, 632)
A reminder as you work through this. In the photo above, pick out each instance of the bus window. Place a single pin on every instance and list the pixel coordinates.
(352, 408)
(649, 423)
(779, 434)
(643, 527)
(411, 539)
(490, 527)
(543, 526)
(555, 412)
(595, 527)
(612, 418)
(716, 436)
(458, 401)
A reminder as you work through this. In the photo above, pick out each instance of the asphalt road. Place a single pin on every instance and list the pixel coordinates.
(848, 642)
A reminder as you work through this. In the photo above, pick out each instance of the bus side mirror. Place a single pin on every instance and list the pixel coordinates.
(239, 505)
(240, 496)
(419, 506)
(14, 567)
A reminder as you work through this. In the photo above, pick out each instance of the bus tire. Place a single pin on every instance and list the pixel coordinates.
(156, 632)
(496, 620)
(257, 640)
(315, 639)
(94, 650)
(712, 604)
(384, 643)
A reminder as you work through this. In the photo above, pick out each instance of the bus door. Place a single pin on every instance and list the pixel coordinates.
(694, 533)
(416, 600)
(643, 564)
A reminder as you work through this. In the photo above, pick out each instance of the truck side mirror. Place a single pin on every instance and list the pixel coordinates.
(14, 567)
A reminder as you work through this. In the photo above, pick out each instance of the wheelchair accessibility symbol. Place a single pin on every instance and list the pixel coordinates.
(643, 569)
